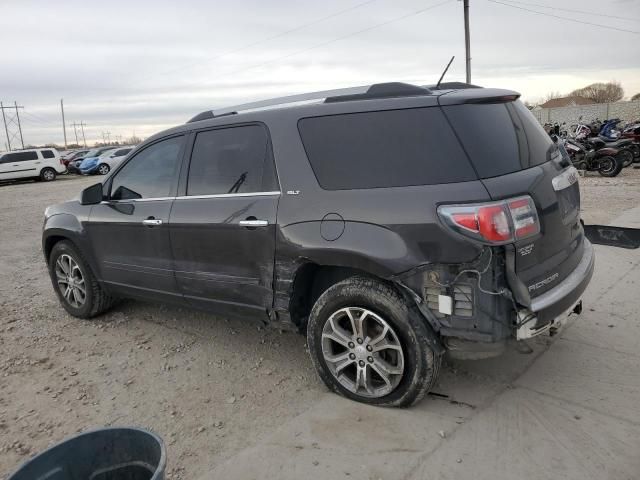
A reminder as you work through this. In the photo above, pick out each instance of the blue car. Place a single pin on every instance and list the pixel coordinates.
(88, 165)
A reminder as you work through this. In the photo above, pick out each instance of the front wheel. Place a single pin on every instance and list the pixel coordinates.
(75, 284)
(368, 345)
(625, 157)
(103, 169)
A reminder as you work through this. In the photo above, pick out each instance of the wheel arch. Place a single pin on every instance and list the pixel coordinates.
(312, 279)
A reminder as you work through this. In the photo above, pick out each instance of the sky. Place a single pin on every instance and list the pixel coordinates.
(140, 66)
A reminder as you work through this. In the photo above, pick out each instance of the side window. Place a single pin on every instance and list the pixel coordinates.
(231, 160)
(383, 149)
(151, 173)
(19, 157)
(47, 154)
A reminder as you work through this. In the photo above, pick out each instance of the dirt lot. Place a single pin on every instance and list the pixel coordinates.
(209, 386)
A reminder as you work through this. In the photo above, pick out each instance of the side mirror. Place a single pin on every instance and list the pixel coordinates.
(91, 195)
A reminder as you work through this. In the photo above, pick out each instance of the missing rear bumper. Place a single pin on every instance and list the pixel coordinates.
(529, 325)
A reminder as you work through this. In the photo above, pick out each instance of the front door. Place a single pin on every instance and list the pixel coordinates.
(223, 228)
(130, 231)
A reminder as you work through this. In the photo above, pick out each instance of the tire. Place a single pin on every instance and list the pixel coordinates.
(609, 166)
(48, 174)
(103, 169)
(95, 301)
(625, 157)
(635, 150)
(415, 365)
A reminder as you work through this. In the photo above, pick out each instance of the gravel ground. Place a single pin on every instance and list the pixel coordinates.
(209, 386)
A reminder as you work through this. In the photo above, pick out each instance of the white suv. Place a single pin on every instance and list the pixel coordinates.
(41, 163)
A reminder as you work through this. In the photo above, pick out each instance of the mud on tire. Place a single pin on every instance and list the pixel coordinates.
(421, 363)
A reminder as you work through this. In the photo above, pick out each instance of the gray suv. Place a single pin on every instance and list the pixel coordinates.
(390, 223)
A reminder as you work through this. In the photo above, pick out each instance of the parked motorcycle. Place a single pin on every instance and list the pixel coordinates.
(603, 160)
(624, 146)
(609, 130)
(632, 132)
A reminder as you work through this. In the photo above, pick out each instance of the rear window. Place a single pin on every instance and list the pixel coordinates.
(500, 138)
(47, 154)
(392, 148)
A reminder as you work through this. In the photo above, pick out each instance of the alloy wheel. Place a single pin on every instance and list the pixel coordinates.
(362, 352)
(70, 281)
(103, 169)
(48, 175)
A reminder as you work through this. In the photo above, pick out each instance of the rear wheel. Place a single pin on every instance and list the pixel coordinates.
(103, 169)
(48, 174)
(75, 284)
(609, 166)
(369, 346)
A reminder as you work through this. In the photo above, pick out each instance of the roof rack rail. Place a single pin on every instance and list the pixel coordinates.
(367, 92)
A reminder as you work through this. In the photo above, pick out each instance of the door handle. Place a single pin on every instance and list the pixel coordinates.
(253, 223)
(152, 222)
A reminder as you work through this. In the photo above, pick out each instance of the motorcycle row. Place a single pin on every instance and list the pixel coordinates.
(604, 147)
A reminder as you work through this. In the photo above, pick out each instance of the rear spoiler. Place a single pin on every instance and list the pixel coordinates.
(477, 95)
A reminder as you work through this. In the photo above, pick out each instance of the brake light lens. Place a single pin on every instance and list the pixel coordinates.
(494, 223)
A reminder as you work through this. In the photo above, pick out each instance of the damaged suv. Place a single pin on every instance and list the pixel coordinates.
(390, 223)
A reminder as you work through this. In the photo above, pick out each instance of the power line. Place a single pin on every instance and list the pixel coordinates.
(573, 10)
(273, 37)
(565, 18)
(30, 117)
(336, 39)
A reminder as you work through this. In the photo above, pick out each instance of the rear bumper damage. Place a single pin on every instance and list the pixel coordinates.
(553, 306)
(477, 307)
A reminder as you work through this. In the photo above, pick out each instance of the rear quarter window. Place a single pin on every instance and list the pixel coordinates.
(48, 154)
(500, 138)
(391, 148)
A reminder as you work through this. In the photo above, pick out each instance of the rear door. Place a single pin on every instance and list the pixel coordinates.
(129, 232)
(514, 156)
(223, 226)
(19, 165)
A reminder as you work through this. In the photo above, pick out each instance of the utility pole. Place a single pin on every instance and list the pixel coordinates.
(75, 131)
(64, 125)
(75, 126)
(19, 126)
(84, 140)
(467, 39)
(15, 120)
(6, 130)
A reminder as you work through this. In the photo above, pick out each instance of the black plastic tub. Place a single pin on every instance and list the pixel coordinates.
(119, 453)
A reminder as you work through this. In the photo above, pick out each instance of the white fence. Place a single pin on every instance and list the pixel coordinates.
(626, 111)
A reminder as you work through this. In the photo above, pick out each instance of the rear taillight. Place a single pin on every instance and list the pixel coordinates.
(494, 223)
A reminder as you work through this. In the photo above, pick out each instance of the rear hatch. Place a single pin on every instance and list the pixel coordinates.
(513, 156)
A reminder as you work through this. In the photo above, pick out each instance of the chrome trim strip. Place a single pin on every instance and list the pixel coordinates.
(195, 197)
(228, 195)
(129, 200)
(573, 280)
